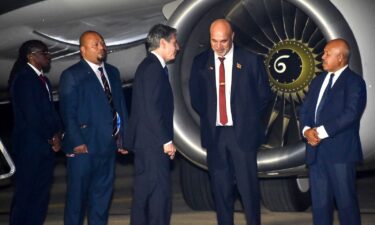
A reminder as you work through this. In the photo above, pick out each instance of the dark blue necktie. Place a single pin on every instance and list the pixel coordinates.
(324, 99)
(166, 70)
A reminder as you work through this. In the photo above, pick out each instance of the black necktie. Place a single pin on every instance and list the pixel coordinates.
(108, 93)
(324, 99)
(166, 70)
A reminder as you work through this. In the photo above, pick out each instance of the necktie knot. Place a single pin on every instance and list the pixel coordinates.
(42, 78)
(101, 70)
(221, 59)
(330, 80)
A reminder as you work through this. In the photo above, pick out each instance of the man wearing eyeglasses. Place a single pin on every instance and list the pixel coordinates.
(36, 134)
(93, 110)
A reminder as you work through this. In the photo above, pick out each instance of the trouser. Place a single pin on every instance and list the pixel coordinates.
(152, 204)
(89, 189)
(230, 166)
(334, 182)
(33, 179)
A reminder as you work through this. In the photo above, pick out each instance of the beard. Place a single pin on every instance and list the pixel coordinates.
(102, 56)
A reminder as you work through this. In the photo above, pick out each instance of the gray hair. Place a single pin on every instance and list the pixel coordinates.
(156, 33)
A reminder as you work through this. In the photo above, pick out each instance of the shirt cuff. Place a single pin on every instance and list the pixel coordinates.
(304, 129)
(322, 133)
(167, 143)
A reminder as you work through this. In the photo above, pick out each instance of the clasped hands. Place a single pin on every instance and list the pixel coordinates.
(312, 137)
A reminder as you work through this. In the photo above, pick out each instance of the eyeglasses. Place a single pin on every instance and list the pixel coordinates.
(41, 52)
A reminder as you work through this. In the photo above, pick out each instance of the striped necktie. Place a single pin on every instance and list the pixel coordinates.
(108, 93)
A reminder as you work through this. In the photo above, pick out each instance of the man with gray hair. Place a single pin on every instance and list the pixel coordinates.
(150, 131)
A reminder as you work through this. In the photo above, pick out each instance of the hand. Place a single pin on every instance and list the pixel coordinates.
(122, 151)
(312, 137)
(80, 149)
(55, 142)
(170, 149)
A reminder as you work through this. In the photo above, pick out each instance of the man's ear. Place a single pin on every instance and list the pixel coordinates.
(82, 49)
(162, 43)
(29, 57)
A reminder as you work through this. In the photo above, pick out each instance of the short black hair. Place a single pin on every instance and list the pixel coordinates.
(26, 48)
(158, 32)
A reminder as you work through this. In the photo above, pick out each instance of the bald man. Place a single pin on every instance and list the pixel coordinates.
(229, 90)
(93, 110)
(330, 118)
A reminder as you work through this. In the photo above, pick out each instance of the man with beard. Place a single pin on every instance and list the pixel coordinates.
(229, 90)
(36, 133)
(93, 110)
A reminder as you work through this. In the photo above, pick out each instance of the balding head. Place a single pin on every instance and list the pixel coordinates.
(221, 36)
(92, 47)
(336, 55)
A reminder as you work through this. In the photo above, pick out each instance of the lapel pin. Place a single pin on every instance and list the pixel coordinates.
(239, 66)
(211, 68)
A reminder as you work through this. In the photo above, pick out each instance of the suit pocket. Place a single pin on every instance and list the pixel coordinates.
(86, 131)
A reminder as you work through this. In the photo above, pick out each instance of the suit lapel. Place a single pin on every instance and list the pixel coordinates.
(210, 71)
(236, 70)
(42, 87)
(340, 81)
(91, 75)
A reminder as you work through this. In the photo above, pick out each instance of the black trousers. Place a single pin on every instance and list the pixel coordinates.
(230, 166)
(152, 198)
(33, 180)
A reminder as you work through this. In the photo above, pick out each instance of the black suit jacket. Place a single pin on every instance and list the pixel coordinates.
(151, 117)
(250, 94)
(35, 117)
(340, 117)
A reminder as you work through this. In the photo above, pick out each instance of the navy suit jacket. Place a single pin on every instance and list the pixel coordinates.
(85, 109)
(250, 94)
(151, 117)
(340, 117)
(35, 117)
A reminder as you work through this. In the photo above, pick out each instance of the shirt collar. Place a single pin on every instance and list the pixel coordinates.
(337, 74)
(38, 72)
(339, 71)
(94, 66)
(161, 60)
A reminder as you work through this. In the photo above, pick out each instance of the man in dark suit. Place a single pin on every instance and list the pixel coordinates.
(330, 117)
(93, 110)
(229, 90)
(150, 131)
(35, 135)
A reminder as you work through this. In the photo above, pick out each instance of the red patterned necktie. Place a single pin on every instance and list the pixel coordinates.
(222, 100)
(42, 79)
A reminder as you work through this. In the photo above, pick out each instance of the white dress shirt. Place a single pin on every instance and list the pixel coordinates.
(322, 133)
(39, 73)
(95, 68)
(228, 68)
